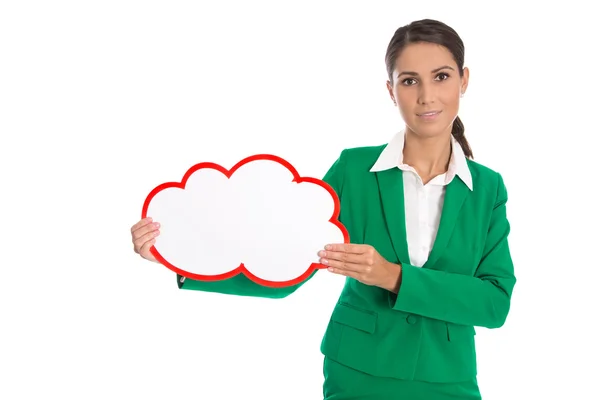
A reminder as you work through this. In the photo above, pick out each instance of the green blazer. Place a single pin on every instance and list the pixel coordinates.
(425, 332)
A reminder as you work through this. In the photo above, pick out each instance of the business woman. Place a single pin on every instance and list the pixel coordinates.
(429, 258)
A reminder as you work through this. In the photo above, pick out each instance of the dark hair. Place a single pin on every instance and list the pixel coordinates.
(431, 31)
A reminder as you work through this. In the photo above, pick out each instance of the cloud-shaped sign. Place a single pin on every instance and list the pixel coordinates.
(260, 218)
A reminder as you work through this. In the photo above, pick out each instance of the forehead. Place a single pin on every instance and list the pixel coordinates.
(424, 57)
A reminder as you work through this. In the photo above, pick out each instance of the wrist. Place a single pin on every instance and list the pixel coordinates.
(393, 284)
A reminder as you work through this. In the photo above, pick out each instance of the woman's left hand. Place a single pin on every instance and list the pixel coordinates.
(363, 263)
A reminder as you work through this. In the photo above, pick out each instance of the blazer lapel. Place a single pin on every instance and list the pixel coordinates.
(391, 189)
(456, 193)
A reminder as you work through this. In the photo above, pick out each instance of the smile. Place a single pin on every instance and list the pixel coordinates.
(429, 116)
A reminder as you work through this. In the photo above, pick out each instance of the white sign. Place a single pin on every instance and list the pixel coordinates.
(261, 218)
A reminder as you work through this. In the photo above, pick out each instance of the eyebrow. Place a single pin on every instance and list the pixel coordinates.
(433, 71)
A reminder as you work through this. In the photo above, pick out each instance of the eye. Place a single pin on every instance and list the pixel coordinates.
(443, 76)
(409, 81)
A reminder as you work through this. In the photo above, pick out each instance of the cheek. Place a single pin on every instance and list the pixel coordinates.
(407, 100)
(450, 97)
(406, 109)
(451, 105)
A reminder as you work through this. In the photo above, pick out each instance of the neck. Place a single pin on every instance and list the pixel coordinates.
(429, 156)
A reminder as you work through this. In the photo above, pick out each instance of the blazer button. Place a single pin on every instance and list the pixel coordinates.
(411, 319)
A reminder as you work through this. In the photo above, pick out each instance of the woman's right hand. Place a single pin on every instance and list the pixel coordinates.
(143, 236)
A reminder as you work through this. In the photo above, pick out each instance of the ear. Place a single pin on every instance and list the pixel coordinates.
(465, 80)
(390, 91)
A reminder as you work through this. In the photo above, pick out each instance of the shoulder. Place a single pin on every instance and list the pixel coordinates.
(361, 158)
(352, 161)
(487, 179)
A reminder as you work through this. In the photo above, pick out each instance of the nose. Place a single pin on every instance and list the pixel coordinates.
(426, 93)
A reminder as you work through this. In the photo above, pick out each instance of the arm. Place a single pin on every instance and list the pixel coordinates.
(480, 300)
(240, 285)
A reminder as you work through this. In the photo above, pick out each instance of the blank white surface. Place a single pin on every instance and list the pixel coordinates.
(99, 101)
(265, 216)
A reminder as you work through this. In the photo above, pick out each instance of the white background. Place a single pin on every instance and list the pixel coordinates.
(100, 101)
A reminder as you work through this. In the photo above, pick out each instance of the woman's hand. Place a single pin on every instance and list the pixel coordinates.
(143, 236)
(363, 263)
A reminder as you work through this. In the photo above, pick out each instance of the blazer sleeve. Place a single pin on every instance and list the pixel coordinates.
(479, 300)
(240, 285)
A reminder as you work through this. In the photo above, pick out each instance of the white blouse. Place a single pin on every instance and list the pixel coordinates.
(422, 203)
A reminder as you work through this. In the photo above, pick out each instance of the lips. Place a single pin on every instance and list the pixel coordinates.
(429, 113)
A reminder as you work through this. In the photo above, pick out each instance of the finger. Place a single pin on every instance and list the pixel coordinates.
(144, 230)
(347, 248)
(342, 272)
(342, 266)
(140, 223)
(145, 250)
(342, 256)
(140, 242)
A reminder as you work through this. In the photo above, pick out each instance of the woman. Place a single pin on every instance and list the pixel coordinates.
(429, 258)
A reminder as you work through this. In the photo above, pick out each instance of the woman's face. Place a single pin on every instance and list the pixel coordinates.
(427, 87)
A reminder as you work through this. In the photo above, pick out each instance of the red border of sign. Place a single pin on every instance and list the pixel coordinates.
(242, 269)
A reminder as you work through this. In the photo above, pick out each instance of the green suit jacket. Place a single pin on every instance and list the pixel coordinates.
(425, 332)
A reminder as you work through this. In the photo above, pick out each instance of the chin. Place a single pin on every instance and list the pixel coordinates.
(429, 129)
